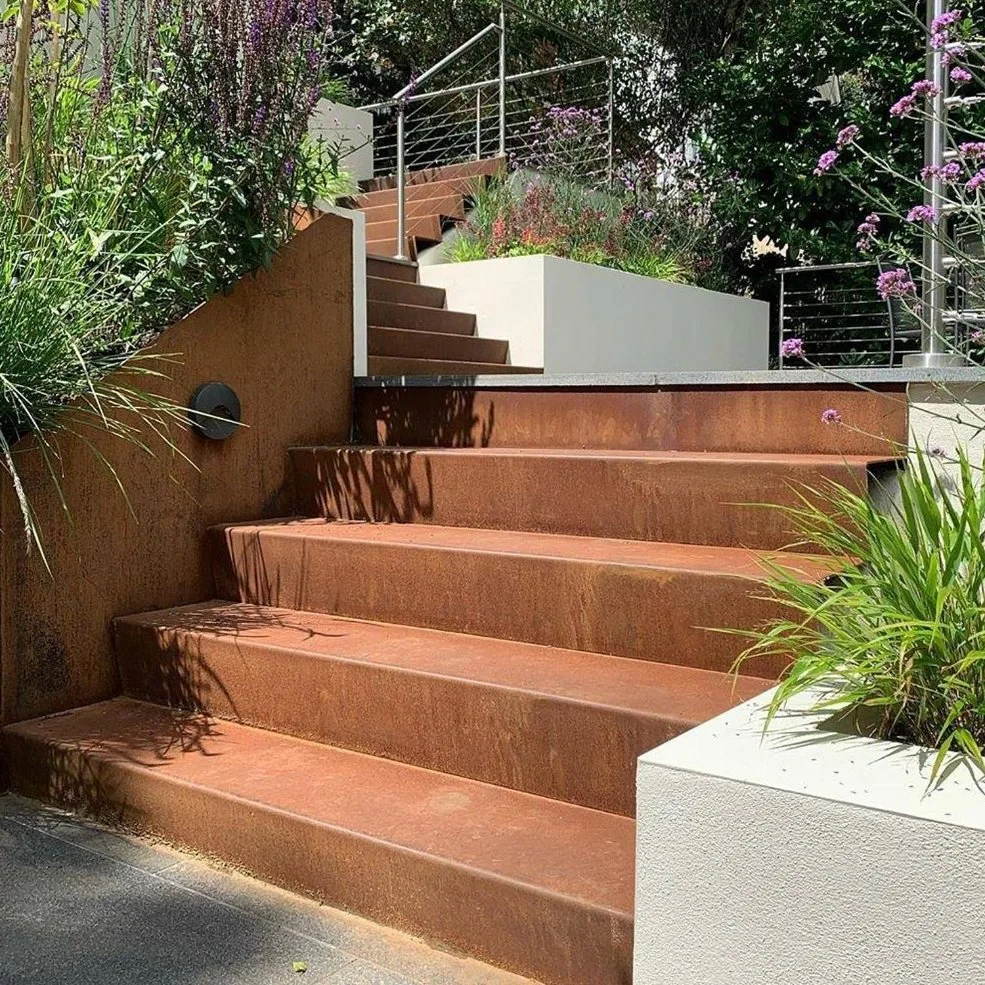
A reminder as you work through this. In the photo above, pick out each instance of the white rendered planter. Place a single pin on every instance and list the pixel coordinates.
(805, 857)
(574, 317)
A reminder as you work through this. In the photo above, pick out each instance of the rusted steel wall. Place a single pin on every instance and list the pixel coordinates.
(282, 339)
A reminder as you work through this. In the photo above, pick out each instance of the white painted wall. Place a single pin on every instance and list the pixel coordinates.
(572, 317)
(360, 338)
(945, 415)
(805, 857)
(351, 128)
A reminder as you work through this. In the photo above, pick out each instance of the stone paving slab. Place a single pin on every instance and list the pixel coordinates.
(82, 905)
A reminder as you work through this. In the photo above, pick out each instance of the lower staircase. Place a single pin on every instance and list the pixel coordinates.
(410, 331)
(422, 697)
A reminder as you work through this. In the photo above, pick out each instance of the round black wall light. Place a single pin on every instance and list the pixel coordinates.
(214, 411)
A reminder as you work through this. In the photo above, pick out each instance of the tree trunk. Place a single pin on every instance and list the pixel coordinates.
(19, 141)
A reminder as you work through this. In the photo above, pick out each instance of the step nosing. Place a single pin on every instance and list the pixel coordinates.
(298, 532)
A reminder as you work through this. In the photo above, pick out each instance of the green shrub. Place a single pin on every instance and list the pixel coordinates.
(900, 635)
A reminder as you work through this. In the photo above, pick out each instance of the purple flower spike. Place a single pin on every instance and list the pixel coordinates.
(959, 75)
(793, 349)
(830, 416)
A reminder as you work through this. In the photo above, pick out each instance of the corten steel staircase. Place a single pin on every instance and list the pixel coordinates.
(410, 332)
(433, 719)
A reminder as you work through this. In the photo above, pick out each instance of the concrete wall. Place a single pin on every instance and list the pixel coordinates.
(283, 341)
(805, 857)
(351, 128)
(574, 317)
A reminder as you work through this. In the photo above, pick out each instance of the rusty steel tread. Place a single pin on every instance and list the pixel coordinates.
(532, 884)
(516, 714)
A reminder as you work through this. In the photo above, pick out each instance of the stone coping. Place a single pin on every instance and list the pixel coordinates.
(635, 381)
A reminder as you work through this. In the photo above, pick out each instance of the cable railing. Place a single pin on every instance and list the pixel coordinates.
(840, 319)
(485, 112)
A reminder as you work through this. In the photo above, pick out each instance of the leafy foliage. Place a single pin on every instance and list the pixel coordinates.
(760, 123)
(157, 171)
(901, 633)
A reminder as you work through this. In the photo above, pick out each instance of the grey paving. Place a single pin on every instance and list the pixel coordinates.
(792, 377)
(82, 905)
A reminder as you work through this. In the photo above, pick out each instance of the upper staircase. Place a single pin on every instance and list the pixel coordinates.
(411, 333)
(422, 697)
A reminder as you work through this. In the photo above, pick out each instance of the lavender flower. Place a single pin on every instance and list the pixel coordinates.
(922, 213)
(939, 39)
(867, 231)
(793, 349)
(904, 106)
(959, 75)
(847, 135)
(895, 283)
(826, 162)
(830, 416)
(977, 337)
(972, 148)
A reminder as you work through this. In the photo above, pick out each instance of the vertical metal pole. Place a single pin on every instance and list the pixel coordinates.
(401, 253)
(933, 348)
(478, 124)
(612, 109)
(502, 80)
(783, 298)
(935, 285)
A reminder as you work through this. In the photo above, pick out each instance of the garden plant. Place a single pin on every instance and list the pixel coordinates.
(898, 637)
(154, 153)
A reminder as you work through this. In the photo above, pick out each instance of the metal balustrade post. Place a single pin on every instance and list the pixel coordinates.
(401, 253)
(612, 110)
(478, 124)
(502, 80)
(934, 349)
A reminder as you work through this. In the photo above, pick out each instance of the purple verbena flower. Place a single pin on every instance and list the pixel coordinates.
(972, 148)
(946, 172)
(939, 39)
(922, 213)
(943, 21)
(793, 349)
(826, 162)
(904, 106)
(830, 416)
(977, 337)
(976, 181)
(847, 135)
(960, 75)
(895, 283)
(924, 87)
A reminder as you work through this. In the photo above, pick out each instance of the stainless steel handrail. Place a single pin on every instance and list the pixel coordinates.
(409, 95)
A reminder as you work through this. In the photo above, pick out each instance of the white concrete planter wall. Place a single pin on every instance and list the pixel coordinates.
(574, 317)
(351, 128)
(805, 857)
